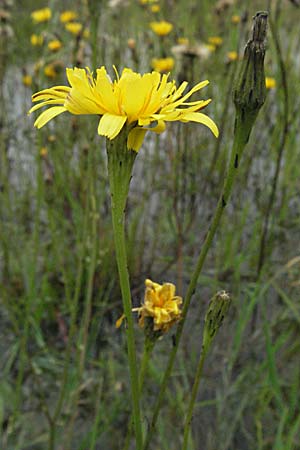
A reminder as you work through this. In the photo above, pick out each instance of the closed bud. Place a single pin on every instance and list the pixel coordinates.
(214, 317)
(250, 90)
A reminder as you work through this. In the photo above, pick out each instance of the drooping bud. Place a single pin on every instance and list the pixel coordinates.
(250, 89)
(217, 310)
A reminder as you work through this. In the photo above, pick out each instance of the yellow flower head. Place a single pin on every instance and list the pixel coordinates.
(41, 15)
(215, 40)
(144, 102)
(67, 16)
(49, 71)
(54, 45)
(155, 8)
(161, 304)
(27, 80)
(163, 64)
(73, 27)
(36, 40)
(235, 19)
(270, 83)
(161, 28)
(232, 56)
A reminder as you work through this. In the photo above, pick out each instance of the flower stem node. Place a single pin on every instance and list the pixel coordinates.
(250, 90)
(217, 310)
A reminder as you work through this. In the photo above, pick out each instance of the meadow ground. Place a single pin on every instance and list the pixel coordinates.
(64, 370)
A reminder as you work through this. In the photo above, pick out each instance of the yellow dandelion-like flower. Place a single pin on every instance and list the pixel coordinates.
(183, 41)
(27, 80)
(232, 56)
(68, 16)
(270, 83)
(43, 152)
(41, 15)
(215, 40)
(143, 102)
(49, 71)
(54, 45)
(74, 27)
(160, 304)
(163, 64)
(235, 19)
(161, 28)
(155, 8)
(36, 40)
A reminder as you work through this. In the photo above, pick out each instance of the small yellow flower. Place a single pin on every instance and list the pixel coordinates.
(43, 152)
(68, 16)
(232, 56)
(161, 28)
(270, 83)
(161, 304)
(210, 47)
(73, 27)
(183, 41)
(143, 102)
(235, 19)
(155, 8)
(49, 71)
(86, 33)
(163, 64)
(54, 45)
(27, 80)
(36, 40)
(215, 40)
(41, 15)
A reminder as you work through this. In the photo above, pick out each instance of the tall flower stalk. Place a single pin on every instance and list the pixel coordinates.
(120, 164)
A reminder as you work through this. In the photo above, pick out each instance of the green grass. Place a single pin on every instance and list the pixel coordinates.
(58, 275)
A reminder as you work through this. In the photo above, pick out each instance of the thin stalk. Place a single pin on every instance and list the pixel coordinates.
(242, 132)
(148, 347)
(120, 163)
(195, 388)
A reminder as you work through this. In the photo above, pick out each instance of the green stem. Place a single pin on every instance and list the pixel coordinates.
(242, 131)
(189, 414)
(120, 163)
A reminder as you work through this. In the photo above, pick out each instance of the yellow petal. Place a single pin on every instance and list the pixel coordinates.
(48, 102)
(135, 138)
(111, 125)
(120, 320)
(48, 115)
(201, 118)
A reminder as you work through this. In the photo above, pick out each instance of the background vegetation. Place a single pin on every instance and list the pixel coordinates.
(63, 362)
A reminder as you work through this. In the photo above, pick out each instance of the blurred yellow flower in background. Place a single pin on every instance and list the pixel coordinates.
(73, 27)
(27, 80)
(155, 8)
(49, 71)
(161, 28)
(54, 45)
(215, 40)
(161, 304)
(235, 19)
(36, 40)
(270, 83)
(41, 15)
(68, 16)
(145, 102)
(232, 56)
(163, 64)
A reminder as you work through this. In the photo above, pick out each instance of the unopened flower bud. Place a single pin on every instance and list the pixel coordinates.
(250, 89)
(214, 317)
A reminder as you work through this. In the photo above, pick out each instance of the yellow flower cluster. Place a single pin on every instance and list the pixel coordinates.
(74, 27)
(36, 40)
(270, 83)
(215, 40)
(144, 102)
(54, 45)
